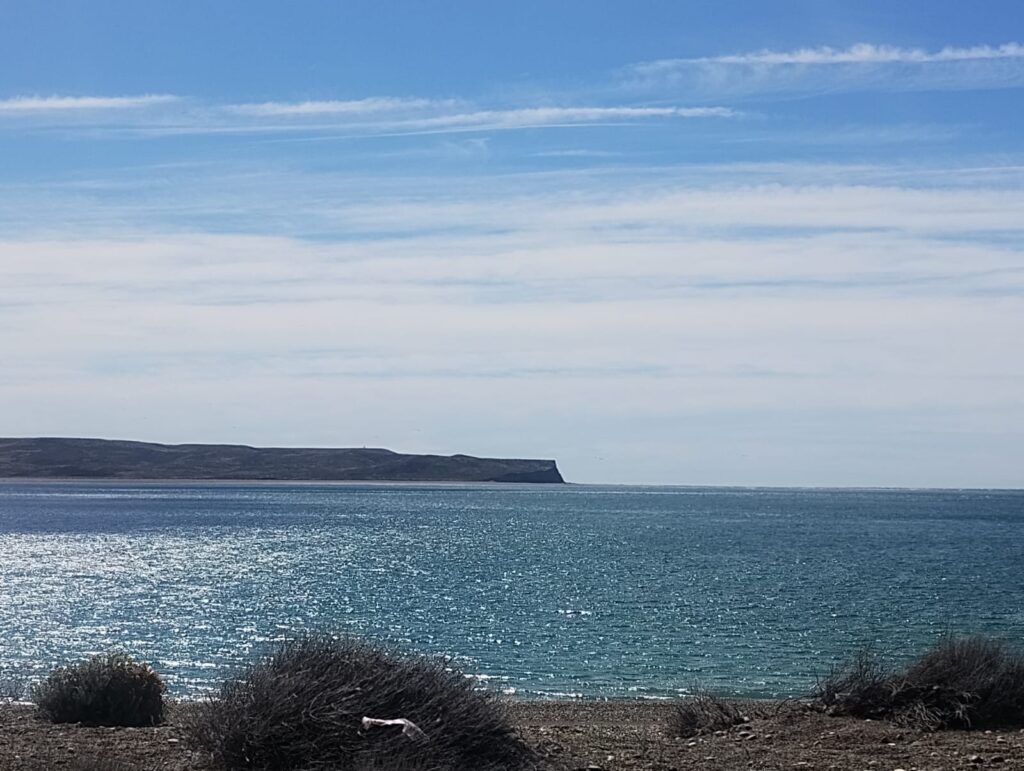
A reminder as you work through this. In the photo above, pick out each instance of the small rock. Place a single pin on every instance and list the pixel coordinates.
(173, 741)
(974, 758)
(691, 744)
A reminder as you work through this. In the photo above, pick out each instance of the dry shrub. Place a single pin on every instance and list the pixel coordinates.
(705, 713)
(108, 689)
(962, 682)
(302, 708)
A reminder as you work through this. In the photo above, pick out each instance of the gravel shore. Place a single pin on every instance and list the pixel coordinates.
(628, 735)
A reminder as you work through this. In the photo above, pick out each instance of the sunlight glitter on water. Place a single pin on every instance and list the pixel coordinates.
(592, 591)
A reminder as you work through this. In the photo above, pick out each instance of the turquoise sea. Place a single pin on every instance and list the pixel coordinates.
(539, 590)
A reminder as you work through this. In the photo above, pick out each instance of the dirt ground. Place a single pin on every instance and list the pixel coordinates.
(578, 736)
(788, 736)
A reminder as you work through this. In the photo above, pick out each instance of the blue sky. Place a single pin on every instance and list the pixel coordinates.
(772, 243)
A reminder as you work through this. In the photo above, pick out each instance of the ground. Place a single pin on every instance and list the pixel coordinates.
(632, 736)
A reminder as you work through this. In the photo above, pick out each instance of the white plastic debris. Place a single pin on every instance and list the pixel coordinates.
(409, 729)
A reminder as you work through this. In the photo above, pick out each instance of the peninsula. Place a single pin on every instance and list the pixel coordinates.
(61, 458)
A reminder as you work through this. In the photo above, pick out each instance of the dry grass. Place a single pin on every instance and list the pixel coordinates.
(962, 682)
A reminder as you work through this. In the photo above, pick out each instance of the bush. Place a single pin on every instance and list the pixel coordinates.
(109, 689)
(303, 708)
(962, 682)
(705, 713)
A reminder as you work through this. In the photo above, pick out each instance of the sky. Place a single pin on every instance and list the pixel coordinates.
(698, 243)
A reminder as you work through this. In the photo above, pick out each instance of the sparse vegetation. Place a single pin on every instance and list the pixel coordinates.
(12, 688)
(705, 713)
(303, 707)
(962, 682)
(108, 689)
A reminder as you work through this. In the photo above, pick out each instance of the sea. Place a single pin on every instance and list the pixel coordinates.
(539, 591)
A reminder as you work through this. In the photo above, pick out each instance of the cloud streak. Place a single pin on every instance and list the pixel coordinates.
(377, 115)
(355, 107)
(63, 104)
(860, 53)
(863, 66)
(548, 116)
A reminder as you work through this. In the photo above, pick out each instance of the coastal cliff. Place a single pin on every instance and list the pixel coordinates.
(59, 458)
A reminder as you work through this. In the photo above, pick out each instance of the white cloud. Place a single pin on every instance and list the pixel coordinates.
(648, 308)
(281, 341)
(547, 116)
(860, 53)
(34, 104)
(863, 66)
(381, 115)
(353, 107)
(390, 109)
(390, 122)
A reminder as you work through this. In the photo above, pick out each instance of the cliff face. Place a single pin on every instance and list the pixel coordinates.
(53, 458)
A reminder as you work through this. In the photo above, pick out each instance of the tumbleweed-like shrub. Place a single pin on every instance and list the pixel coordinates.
(107, 689)
(303, 708)
(961, 682)
(705, 713)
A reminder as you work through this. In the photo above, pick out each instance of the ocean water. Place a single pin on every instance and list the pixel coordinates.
(540, 591)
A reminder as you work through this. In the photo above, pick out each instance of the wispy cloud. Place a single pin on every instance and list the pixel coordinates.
(384, 114)
(36, 104)
(355, 107)
(375, 115)
(861, 53)
(546, 116)
(823, 68)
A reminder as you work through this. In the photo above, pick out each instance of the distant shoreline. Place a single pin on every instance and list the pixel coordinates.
(122, 460)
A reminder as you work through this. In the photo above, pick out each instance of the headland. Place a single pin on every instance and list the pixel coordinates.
(68, 458)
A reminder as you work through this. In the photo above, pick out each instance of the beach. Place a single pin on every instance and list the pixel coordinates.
(628, 735)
